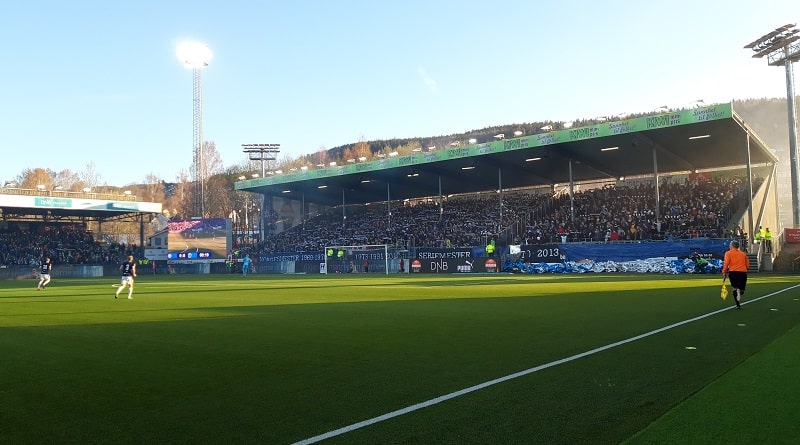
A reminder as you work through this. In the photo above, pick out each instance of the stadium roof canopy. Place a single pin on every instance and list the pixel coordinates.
(707, 138)
(20, 204)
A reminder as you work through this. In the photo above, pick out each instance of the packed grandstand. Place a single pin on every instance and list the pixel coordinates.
(691, 206)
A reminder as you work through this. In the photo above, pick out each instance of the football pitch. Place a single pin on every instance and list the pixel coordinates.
(376, 359)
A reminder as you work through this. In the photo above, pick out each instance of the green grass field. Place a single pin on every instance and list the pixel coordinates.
(286, 359)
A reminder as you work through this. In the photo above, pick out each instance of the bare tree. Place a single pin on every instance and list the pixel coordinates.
(212, 162)
(66, 179)
(220, 203)
(321, 156)
(90, 177)
(153, 188)
(182, 204)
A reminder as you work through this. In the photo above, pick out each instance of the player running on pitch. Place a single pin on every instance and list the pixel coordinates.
(44, 274)
(128, 270)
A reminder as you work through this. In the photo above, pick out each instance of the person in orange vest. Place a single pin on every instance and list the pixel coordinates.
(735, 266)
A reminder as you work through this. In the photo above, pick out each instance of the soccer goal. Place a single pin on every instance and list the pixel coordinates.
(367, 258)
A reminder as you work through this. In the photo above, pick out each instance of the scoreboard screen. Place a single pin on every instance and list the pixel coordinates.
(206, 240)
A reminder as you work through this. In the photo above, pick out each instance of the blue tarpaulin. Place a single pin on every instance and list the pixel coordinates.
(671, 257)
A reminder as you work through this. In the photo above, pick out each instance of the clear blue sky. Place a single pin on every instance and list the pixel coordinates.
(98, 81)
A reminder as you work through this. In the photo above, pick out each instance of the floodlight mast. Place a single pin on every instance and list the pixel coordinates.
(262, 152)
(782, 47)
(196, 56)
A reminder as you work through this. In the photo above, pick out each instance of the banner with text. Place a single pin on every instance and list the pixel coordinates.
(450, 261)
(541, 253)
(792, 235)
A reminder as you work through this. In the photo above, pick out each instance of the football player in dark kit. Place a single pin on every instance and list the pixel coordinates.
(128, 270)
(44, 273)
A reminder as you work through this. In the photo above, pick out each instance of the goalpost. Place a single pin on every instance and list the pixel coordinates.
(353, 259)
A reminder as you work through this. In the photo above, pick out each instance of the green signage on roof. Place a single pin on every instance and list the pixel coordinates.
(53, 202)
(632, 125)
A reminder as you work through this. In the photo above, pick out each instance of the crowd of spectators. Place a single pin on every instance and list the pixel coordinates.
(689, 208)
(62, 243)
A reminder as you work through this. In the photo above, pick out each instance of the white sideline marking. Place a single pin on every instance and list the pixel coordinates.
(453, 395)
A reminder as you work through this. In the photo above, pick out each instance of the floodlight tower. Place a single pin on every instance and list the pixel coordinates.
(262, 152)
(196, 56)
(782, 47)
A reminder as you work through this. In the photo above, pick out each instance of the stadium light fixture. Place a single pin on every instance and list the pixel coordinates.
(193, 54)
(262, 152)
(782, 47)
(697, 103)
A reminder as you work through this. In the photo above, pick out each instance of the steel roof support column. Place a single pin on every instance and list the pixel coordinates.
(750, 223)
(500, 193)
(389, 204)
(441, 200)
(658, 197)
(571, 194)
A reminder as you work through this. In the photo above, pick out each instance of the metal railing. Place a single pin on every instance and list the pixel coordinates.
(67, 194)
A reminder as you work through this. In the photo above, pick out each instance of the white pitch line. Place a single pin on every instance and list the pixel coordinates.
(453, 395)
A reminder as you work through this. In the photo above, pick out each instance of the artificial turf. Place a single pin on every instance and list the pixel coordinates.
(281, 359)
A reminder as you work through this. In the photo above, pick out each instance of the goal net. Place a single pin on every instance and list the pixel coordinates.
(368, 258)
